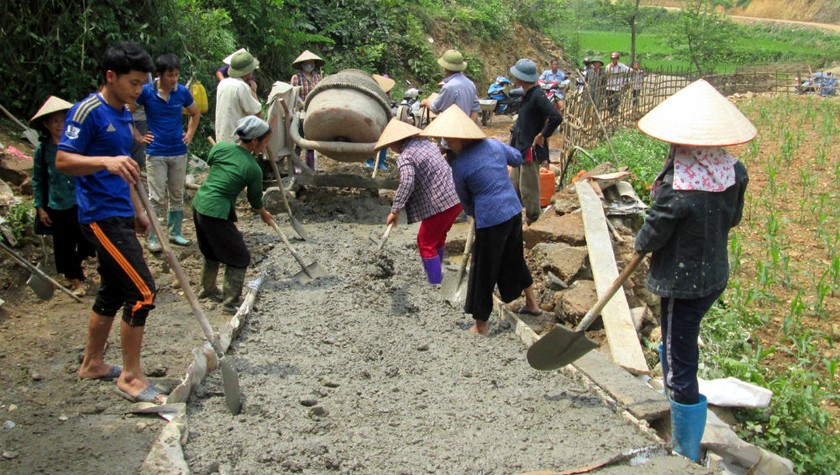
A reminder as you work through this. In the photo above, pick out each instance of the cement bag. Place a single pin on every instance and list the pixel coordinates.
(348, 106)
(280, 143)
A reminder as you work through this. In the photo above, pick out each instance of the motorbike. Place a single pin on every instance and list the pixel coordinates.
(501, 98)
(408, 110)
(555, 91)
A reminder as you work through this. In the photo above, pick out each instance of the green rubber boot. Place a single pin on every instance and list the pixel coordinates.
(176, 219)
(152, 244)
(208, 280)
(232, 289)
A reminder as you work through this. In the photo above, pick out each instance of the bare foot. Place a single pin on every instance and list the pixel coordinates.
(480, 328)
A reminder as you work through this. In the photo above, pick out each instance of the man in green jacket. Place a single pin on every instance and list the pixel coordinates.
(233, 167)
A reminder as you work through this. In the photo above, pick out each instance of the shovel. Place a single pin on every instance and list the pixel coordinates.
(562, 346)
(384, 238)
(230, 380)
(42, 284)
(308, 272)
(454, 287)
(30, 134)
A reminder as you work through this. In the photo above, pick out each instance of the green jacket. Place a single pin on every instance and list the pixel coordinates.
(232, 168)
(51, 188)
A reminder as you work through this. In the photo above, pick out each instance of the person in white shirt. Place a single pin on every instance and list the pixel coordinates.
(234, 97)
(616, 79)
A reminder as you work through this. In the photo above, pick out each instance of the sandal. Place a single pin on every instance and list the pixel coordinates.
(523, 310)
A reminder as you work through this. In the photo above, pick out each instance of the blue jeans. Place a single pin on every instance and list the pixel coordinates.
(680, 328)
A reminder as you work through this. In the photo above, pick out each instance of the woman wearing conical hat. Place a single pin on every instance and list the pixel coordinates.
(479, 170)
(308, 64)
(698, 198)
(426, 192)
(55, 196)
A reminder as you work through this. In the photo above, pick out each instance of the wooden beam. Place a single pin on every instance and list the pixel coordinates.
(621, 333)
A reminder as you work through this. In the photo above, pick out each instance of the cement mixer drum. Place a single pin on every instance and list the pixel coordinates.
(348, 106)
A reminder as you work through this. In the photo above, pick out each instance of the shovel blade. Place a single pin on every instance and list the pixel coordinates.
(230, 380)
(559, 347)
(312, 272)
(43, 288)
(451, 287)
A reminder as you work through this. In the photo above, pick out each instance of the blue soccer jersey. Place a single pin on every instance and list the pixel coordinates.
(94, 128)
(164, 119)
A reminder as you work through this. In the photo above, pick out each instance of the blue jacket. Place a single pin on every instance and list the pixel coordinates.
(688, 233)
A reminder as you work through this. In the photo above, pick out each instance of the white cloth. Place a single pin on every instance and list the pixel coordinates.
(703, 168)
(233, 102)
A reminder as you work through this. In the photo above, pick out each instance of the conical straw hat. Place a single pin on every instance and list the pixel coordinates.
(395, 131)
(308, 56)
(698, 115)
(453, 123)
(386, 84)
(53, 104)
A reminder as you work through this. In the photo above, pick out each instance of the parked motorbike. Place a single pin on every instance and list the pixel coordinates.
(501, 98)
(408, 110)
(555, 91)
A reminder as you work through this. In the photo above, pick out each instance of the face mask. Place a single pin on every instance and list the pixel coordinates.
(308, 67)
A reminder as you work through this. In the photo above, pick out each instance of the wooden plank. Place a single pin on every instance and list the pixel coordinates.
(621, 334)
(640, 400)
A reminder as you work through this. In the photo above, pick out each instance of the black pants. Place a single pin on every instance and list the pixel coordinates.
(220, 241)
(126, 280)
(613, 101)
(680, 327)
(497, 258)
(69, 245)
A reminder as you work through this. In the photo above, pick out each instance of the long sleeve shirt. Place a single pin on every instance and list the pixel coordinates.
(232, 168)
(51, 188)
(482, 182)
(426, 186)
(459, 90)
(536, 115)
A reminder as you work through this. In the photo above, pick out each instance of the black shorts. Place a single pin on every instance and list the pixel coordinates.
(125, 278)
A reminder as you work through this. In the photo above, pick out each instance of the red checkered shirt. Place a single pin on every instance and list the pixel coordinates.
(306, 83)
(426, 186)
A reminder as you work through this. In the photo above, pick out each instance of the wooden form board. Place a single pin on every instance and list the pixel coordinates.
(624, 344)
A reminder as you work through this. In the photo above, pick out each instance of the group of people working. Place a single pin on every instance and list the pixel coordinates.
(698, 197)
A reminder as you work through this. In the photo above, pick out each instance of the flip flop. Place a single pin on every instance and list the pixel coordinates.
(113, 373)
(149, 394)
(523, 310)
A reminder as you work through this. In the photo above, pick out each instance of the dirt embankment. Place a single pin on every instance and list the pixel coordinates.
(815, 11)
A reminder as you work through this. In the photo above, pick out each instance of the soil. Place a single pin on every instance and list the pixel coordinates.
(365, 370)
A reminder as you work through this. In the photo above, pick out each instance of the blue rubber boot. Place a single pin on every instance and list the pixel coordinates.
(369, 163)
(432, 267)
(688, 422)
(175, 221)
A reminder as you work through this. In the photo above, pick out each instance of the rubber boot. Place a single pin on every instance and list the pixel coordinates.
(232, 289)
(176, 221)
(310, 159)
(688, 422)
(208, 280)
(153, 245)
(432, 267)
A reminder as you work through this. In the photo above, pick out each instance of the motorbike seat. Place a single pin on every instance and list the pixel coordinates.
(518, 92)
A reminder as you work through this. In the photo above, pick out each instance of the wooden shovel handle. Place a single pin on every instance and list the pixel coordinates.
(15, 119)
(593, 313)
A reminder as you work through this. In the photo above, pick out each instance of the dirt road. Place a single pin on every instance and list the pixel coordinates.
(829, 27)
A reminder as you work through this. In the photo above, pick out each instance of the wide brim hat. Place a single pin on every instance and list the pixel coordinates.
(453, 123)
(386, 84)
(52, 104)
(230, 56)
(525, 70)
(698, 115)
(596, 60)
(308, 56)
(394, 132)
(242, 63)
(452, 60)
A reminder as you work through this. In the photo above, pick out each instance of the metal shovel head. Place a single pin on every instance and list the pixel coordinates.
(41, 286)
(454, 288)
(559, 347)
(298, 227)
(230, 380)
(312, 272)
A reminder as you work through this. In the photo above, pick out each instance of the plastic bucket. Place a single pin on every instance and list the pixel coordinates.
(546, 187)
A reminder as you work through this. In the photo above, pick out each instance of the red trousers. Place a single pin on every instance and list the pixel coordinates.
(432, 234)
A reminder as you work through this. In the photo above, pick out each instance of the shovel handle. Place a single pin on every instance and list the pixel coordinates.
(179, 271)
(593, 313)
(467, 248)
(385, 236)
(291, 249)
(15, 119)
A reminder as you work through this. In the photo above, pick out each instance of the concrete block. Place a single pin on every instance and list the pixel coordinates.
(553, 228)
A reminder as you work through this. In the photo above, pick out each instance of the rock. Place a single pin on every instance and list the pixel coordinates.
(14, 170)
(563, 260)
(140, 427)
(565, 201)
(10, 454)
(576, 300)
(156, 372)
(308, 402)
(12, 407)
(318, 412)
(9, 425)
(423, 347)
(36, 376)
(63, 418)
(553, 228)
(329, 383)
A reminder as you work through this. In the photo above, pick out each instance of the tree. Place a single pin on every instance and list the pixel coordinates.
(706, 35)
(626, 12)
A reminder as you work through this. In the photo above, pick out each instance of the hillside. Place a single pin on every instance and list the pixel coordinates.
(819, 11)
